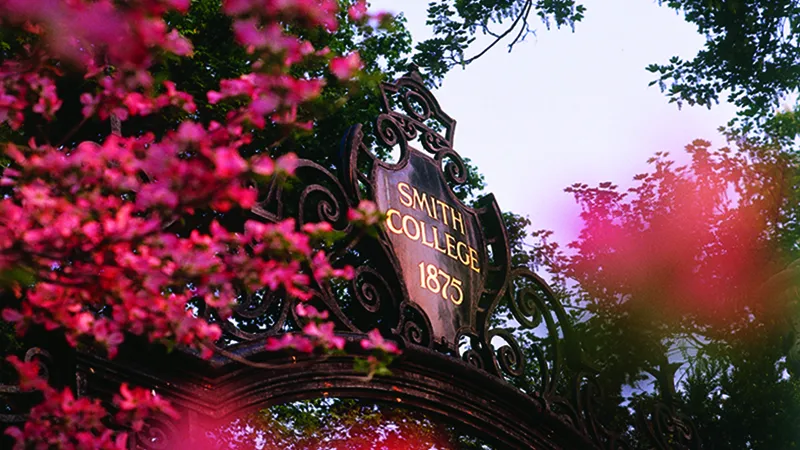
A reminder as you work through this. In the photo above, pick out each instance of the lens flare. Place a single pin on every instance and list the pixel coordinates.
(685, 241)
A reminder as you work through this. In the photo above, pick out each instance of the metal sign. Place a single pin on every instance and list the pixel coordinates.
(436, 241)
(452, 260)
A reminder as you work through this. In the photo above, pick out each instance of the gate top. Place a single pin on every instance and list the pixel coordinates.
(452, 258)
(430, 279)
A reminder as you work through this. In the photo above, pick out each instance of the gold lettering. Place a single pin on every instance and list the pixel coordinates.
(436, 240)
(424, 240)
(465, 259)
(450, 243)
(389, 224)
(444, 213)
(406, 221)
(420, 201)
(405, 195)
(456, 215)
(429, 279)
(473, 256)
(428, 234)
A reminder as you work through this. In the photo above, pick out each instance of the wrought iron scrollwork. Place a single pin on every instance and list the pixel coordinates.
(415, 327)
(371, 289)
(664, 425)
(409, 101)
(508, 355)
(323, 198)
(532, 306)
(668, 429)
(16, 400)
(518, 330)
(455, 171)
(257, 315)
(549, 359)
(158, 433)
(582, 410)
(411, 112)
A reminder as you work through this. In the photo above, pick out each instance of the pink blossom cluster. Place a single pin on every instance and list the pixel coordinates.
(92, 36)
(358, 12)
(258, 25)
(316, 333)
(20, 89)
(129, 34)
(91, 215)
(92, 226)
(274, 97)
(381, 354)
(115, 96)
(365, 214)
(309, 13)
(64, 421)
(375, 341)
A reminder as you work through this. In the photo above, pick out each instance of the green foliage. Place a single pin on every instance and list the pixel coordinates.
(750, 55)
(342, 424)
(455, 24)
(741, 396)
(733, 360)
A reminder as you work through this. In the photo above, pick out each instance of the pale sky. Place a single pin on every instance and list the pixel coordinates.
(568, 107)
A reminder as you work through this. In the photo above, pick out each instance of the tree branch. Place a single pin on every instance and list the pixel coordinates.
(524, 14)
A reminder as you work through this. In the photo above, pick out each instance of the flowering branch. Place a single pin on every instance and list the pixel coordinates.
(89, 228)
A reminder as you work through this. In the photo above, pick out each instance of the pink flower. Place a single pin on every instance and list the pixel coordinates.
(317, 228)
(179, 5)
(366, 214)
(12, 315)
(137, 403)
(229, 163)
(28, 374)
(308, 311)
(287, 163)
(177, 44)
(127, 401)
(324, 334)
(214, 97)
(154, 195)
(264, 105)
(247, 33)
(138, 104)
(357, 10)
(375, 341)
(235, 7)
(191, 132)
(262, 165)
(345, 67)
(290, 341)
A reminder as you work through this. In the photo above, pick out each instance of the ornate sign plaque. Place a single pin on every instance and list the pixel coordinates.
(451, 259)
(435, 240)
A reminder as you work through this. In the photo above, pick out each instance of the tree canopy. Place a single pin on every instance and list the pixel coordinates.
(693, 265)
(693, 269)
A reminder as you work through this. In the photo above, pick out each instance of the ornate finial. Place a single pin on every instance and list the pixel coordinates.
(414, 73)
(664, 374)
(409, 99)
